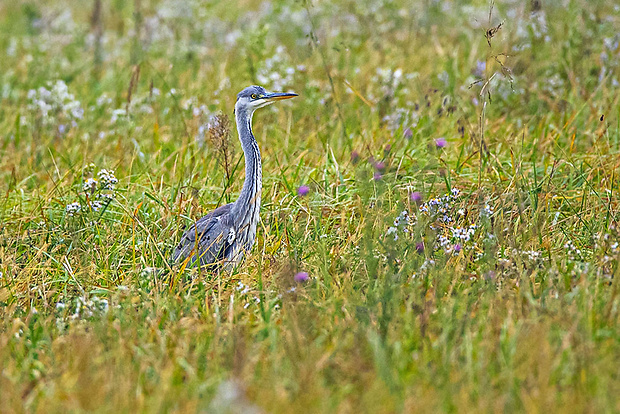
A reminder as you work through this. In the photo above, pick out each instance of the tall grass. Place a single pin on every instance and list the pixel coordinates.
(460, 232)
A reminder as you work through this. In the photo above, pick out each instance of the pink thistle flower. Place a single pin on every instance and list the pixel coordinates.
(441, 142)
(416, 197)
(301, 277)
(303, 191)
(419, 247)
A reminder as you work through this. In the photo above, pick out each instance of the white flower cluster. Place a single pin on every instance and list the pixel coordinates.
(86, 308)
(402, 117)
(140, 104)
(459, 237)
(401, 223)
(532, 255)
(441, 206)
(388, 79)
(507, 258)
(270, 73)
(90, 185)
(610, 257)
(244, 290)
(487, 211)
(103, 101)
(120, 113)
(530, 30)
(196, 108)
(55, 103)
(449, 222)
(107, 180)
(73, 208)
(98, 192)
(426, 266)
(608, 240)
(573, 251)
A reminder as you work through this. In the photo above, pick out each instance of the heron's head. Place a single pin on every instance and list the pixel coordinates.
(254, 97)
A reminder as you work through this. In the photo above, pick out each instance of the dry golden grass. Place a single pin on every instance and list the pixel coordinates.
(520, 315)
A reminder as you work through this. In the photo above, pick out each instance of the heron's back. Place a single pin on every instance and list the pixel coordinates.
(221, 238)
(207, 240)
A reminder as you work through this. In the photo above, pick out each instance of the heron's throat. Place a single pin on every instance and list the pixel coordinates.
(248, 204)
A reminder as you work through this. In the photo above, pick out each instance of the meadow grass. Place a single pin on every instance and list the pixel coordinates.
(460, 228)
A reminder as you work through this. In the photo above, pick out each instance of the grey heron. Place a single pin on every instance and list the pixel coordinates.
(221, 238)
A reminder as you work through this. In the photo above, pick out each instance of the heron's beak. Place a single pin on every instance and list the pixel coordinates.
(278, 96)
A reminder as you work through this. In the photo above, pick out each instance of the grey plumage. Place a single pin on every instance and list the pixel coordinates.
(221, 238)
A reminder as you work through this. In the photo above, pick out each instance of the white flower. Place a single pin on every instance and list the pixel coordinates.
(270, 73)
(96, 205)
(73, 208)
(92, 307)
(89, 185)
(55, 102)
(107, 179)
(487, 211)
(118, 113)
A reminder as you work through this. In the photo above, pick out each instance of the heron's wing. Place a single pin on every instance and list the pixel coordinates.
(208, 239)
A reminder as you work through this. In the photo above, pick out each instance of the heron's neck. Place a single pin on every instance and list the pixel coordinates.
(249, 198)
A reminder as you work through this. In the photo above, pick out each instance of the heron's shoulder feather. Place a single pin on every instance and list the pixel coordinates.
(209, 235)
(219, 215)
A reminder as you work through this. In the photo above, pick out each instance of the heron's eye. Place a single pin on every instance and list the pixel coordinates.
(254, 96)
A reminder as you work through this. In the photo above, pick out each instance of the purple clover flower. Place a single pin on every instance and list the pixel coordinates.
(408, 133)
(379, 166)
(377, 176)
(355, 157)
(457, 247)
(416, 197)
(419, 246)
(441, 142)
(301, 277)
(303, 191)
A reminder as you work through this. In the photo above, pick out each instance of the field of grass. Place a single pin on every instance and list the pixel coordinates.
(460, 232)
